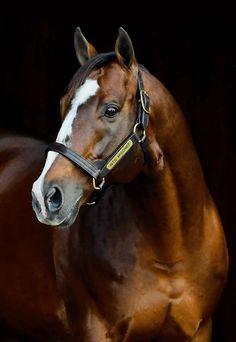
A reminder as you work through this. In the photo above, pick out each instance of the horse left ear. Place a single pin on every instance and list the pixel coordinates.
(84, 50)
(124, 49)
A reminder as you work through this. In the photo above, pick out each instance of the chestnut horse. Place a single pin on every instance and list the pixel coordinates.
(30, 303)
(148, 260)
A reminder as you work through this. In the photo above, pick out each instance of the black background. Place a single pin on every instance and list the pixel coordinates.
(195, 59)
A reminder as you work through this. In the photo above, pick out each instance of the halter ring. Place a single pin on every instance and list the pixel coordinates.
(99, 186)
(143, 132)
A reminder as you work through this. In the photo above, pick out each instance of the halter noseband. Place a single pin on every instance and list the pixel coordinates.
(99, 169)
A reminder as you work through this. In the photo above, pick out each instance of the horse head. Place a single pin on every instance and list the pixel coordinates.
(105, 115)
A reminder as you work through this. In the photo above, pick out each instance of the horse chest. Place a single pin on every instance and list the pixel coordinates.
(139, 300)
(147, 306)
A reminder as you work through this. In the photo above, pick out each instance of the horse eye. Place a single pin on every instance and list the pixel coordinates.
(111, 111)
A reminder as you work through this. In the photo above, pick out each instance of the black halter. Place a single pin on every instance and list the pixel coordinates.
(99, 169)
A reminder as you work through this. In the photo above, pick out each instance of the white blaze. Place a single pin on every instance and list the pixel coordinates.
(88, 89)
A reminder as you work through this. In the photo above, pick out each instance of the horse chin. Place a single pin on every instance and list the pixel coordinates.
(66, 222)
(61, 220)
(69, 220)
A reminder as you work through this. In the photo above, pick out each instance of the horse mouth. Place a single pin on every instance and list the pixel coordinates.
(60, 220)
(68, 220)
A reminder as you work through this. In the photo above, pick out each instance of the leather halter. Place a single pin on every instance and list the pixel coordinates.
(99, 169)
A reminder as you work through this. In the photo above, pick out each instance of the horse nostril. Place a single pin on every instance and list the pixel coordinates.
(54, 199)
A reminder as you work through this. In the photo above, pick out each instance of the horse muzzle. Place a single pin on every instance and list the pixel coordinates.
(56, 205)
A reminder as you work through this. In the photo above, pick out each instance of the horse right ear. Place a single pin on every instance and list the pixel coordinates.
(124, 49)
(84, 50)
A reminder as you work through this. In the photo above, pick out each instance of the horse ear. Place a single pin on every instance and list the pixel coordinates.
(84, 50)
(124, 49)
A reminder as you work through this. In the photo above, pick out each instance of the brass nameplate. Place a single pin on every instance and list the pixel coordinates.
(119, 155)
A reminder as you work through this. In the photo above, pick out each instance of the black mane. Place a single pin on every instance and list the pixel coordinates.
(94, 63)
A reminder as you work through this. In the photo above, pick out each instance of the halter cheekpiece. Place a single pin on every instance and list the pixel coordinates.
(99, 169)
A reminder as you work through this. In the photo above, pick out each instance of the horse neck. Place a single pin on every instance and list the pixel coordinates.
(170, 199)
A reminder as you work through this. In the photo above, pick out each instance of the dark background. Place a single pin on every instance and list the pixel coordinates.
(195, 59)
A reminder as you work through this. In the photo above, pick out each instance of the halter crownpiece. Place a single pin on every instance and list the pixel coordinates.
(99, 169)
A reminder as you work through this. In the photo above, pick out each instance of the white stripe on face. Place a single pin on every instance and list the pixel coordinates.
(38, 184)
(88, 89)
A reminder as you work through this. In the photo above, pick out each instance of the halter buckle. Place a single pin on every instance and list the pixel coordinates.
(143, 93)
(143, 136)
(91, 203)
(99, 186)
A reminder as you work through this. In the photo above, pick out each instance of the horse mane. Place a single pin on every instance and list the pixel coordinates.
(95, 62)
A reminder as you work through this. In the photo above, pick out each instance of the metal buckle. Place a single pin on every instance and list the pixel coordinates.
(142, 94)
(91, 203)
(143, 132)
(96, 187)
(99, 186)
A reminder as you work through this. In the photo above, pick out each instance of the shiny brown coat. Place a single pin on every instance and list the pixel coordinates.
(148, 262)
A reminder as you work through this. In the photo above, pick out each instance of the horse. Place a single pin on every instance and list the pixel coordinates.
(138, 251)
(31, 306)
(147, 258)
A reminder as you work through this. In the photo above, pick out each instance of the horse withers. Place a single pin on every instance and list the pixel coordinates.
(147, 261)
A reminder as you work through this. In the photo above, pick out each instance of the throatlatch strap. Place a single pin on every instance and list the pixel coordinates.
(118, 154)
